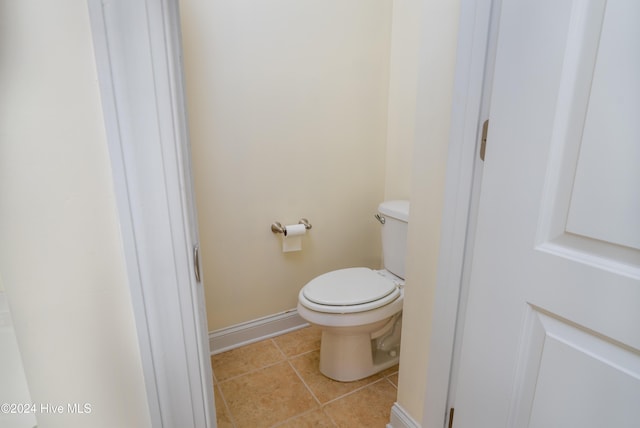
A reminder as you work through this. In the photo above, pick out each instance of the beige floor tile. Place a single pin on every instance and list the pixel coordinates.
(245, 359)
(391, 370)
(393, 379)
(222, 414)
(299, 341)
(266, 397)
(325, 389)
(315, 419)
(369, 407)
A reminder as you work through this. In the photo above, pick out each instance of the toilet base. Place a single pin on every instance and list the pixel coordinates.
(350, 357)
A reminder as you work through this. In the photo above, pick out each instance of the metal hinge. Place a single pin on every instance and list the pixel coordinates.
(483, 142)
(451, 417)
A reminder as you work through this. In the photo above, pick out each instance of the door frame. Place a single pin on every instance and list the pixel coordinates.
(138, 41)
(137, 45)
(471, 98)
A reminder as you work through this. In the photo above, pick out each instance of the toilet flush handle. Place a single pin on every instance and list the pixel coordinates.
(380, 218)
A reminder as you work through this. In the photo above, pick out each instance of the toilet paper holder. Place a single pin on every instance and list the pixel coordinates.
(277, 227)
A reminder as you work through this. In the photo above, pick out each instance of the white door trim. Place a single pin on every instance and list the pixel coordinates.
(137, 46)
(400, 418)
(462, 182)
(235, 336)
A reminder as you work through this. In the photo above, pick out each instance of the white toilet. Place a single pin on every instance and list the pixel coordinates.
(360, 310)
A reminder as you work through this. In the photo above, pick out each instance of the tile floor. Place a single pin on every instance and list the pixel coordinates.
(276, 383)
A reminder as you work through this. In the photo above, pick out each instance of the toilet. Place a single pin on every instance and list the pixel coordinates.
(359, 310)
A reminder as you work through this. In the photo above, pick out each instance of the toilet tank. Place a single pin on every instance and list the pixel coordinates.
(394, 235)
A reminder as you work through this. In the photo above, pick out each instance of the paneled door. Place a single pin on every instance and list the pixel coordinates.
(552, 328)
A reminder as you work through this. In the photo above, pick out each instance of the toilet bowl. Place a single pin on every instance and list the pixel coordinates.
(352, 332)
(359, 310)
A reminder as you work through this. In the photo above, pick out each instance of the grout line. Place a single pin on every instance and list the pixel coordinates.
(284, 358)
(354, 391)
(304, 383)
(303, 353)
(299, 415)
(392, 384)
(252, 371)
(224, 402)
(278, 348)
(335, 424)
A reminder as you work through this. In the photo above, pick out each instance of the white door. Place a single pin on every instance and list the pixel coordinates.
(552, 330)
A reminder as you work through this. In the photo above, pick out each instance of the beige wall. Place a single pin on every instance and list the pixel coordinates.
(433, 113)
(403, 79)
(287, 105)
(60, 254)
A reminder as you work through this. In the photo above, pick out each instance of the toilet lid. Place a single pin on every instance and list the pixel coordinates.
(347, 287)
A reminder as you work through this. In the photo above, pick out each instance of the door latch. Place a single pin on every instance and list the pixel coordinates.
(483, 141)
(196, 262)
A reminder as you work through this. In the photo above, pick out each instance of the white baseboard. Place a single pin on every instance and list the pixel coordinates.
(401, 419)
(248, 332)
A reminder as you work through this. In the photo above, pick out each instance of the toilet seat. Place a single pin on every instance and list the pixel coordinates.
(348, 291)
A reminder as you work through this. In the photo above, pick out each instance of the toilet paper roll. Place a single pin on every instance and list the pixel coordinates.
(294, 230)
(292, 237)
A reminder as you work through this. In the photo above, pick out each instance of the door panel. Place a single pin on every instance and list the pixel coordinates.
(550, 384)
(603, 205)
(552, 336)
(566, 397)
(590, 204)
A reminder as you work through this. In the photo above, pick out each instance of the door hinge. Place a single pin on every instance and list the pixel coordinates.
(196, 261)
(483, 142)
(451, 417)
